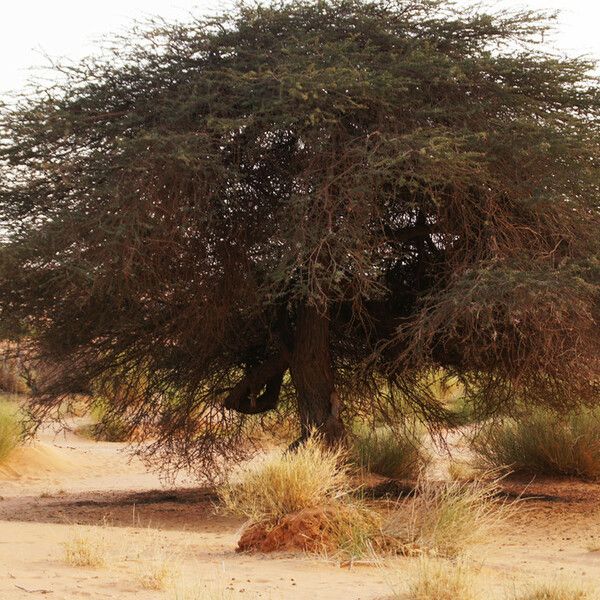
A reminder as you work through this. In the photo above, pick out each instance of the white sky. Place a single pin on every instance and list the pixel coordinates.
(72, 28)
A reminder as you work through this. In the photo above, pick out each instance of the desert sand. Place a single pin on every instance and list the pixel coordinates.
(65, 485)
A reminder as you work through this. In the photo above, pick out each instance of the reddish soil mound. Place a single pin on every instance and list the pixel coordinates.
(309, 530)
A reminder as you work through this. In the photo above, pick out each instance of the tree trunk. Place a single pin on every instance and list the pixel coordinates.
(312, 374)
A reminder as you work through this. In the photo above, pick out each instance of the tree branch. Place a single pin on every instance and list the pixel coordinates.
(269, 375)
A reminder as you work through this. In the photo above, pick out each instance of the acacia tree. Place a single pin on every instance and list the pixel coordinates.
(300, 209)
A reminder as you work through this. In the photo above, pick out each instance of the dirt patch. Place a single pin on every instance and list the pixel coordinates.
(310, 530)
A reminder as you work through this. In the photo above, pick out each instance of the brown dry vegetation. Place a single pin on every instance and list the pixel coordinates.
(542, 442)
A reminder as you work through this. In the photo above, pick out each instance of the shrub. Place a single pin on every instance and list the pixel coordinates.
(390, 453)
(10, 429)
(85, 550)
(310, 477)
(440, 581)
(544, 442)
(446, 519)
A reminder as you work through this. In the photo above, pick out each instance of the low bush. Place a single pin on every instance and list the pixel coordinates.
(10, 429)
(447, 518)
(544, 443)
(394, 454)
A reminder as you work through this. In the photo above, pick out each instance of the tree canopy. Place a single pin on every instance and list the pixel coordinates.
(302, 208)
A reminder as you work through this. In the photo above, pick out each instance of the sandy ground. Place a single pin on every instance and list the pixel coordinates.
(67, 486)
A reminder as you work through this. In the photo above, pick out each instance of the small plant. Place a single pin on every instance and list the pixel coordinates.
(544, 442)
(447, 518)
(10, 430)
(440, 581)
(158, 574)
(390, 453)
(554, 591)
(310, 477)
(85, 550)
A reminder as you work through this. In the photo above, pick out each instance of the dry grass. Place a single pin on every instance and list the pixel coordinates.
(390, 453)
(10, 429)
(289, 482)
(448, 518)
(86, 549)
(10, 377)
(436, 580)
(461, 470)
(544, 442)
(554, 591)
(158, 574)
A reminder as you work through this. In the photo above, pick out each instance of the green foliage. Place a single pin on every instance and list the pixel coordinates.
(10, 429)
(394, 453)
(420, 179)
(544, 442)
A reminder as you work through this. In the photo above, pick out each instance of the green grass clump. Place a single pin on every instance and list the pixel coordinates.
(10, 429)
(544, 442)
(390, 453)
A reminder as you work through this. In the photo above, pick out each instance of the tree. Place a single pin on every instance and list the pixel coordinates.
(302, 208)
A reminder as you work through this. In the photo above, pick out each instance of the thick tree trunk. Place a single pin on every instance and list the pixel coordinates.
(312, 374)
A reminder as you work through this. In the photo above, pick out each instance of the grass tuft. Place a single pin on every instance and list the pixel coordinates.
(390, 453)
(440, 581)
(545, 443)
(158, 574)
(448, 518)
(310, 477)
(85, 550)
(10, 429)
(553, 591)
